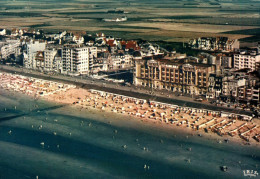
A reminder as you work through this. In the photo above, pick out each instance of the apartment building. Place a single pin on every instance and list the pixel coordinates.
(248, 89)
(229, 86)
(100, 64)
(215, 86)
(173, 75)
(10, 47)
(226, 60)
(32, 48)
(247, 60)
(121, 61)
(57, 62)
(255, 94)
(249, 94)
(77, 59)
(39, 61)
(49, 55)
(207, 58)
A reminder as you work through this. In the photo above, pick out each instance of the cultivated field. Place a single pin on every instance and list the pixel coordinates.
(171, 20)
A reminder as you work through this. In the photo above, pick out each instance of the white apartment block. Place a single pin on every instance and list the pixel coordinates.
(57, 63)
(77, 59)
(246, 60)
(31, 49)
(229, 88)
(49, 55)
(121, 62)
(100, 64)
(10, 47)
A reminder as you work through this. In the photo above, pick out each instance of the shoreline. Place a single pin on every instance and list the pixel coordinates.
(170, 129)
(133, 91)
(181, 129)
(163, 115)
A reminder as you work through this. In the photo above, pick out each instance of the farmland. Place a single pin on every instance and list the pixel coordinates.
(169, 20)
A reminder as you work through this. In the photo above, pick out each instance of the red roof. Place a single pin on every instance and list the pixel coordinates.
(123, 42)
(137, 48)
(14, 30)
(111, 43)
(131, 45)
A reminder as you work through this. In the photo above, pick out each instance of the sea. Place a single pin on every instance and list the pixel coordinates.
(41, 139)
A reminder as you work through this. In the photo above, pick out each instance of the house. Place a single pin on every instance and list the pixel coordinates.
(112, 45)
(90, 43)
(78, 39)
(215, 44)
(129, 45)
(2, 31)
(17, 32)
(149, 49)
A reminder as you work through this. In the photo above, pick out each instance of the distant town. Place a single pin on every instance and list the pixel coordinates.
(222, 73)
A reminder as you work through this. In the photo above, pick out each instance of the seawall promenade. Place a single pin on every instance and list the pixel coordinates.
(132, 91)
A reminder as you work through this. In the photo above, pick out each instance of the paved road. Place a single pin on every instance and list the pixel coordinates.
(89, 83)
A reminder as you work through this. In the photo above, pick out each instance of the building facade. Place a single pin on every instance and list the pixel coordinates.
(77, 59)
(181, 77)
(244, 60)
(39, 61)
(215, 44)
(30, 53)
(10, 47)
(49, 55)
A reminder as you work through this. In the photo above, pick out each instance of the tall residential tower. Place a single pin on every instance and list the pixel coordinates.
(77, 59)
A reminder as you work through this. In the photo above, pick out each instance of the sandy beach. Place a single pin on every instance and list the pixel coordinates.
(242, 129)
